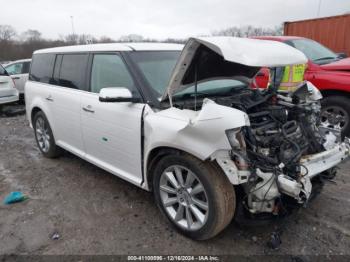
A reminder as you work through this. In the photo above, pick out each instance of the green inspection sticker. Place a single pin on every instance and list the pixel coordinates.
(104, 139)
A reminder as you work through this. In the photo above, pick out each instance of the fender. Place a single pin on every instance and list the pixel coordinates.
(199, 133)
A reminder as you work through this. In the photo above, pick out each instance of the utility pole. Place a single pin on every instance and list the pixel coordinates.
(72, 21)
(319, 8)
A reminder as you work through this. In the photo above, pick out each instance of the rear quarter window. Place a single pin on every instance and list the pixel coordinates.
(73, 71)
(42, 68)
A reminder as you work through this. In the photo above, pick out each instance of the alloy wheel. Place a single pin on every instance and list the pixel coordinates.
(42, 134)
(184, 197)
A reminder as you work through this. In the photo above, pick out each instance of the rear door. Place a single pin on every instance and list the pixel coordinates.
(69, 82)
(112, 131)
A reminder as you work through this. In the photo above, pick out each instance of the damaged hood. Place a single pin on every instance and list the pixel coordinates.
(228, 57)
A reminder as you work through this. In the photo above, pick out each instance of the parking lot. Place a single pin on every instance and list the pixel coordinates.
(94, 212)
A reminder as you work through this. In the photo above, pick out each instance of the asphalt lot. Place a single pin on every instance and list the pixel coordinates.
(94, 212)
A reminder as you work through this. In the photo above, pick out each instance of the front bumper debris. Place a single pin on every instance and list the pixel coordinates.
(315, 164)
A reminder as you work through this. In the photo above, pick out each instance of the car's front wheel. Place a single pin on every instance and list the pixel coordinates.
(195, 196)
(44, 137)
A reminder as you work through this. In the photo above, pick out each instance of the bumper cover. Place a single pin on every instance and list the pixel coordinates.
(318, 163)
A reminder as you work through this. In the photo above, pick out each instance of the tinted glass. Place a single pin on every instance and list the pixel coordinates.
(14, 69)
(213, 87)
(313, 50)
(156, 66)
(73, 71)
(109, 70)
(2, 71)
(26, 67)
(42, 68)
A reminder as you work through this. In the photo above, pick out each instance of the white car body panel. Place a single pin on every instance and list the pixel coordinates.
(65, 104)
(8, 93)
(200, 133)
(111, 133)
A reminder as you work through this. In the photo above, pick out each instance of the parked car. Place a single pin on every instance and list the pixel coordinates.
(19, 72)
(329, 72)
(186, 125)
(8, 92)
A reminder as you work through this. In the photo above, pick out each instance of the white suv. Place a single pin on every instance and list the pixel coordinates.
(8, 92)
(187, 125)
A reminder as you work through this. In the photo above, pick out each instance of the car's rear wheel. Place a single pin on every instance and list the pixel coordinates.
(44, 137)
(336, 113)
(195, 196)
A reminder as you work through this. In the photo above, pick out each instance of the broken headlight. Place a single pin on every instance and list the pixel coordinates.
(235, 138)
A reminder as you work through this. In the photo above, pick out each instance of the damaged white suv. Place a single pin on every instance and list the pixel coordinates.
(187, 125)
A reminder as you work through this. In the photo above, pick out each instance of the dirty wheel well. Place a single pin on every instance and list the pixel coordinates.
(155, 155)
(34, 111)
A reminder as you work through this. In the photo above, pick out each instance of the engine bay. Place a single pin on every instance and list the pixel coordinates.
(284, 129)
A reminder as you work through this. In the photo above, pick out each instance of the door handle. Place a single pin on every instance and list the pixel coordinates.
(49, 98)
(16, 78)
(88, 109)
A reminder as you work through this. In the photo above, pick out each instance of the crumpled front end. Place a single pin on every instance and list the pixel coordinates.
(283, 153)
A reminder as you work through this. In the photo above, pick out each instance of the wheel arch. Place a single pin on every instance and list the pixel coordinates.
(154, 156)
(34, 111)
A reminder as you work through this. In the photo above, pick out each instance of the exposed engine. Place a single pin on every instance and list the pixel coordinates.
(281, 158)
(283, 129)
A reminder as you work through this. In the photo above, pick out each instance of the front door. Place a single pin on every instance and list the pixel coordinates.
(112, 131)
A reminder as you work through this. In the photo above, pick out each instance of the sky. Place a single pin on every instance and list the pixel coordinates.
(158, 19)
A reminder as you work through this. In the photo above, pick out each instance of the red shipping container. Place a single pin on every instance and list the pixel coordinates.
(333, 31)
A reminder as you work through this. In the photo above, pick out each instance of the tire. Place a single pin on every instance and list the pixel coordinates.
(333, 106)
(45, 142)
(217, 195)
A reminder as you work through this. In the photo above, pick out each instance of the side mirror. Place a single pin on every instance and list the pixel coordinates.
(116, 94)
(341, 55)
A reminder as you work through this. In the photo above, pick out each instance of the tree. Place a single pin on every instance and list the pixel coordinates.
(31, 35)
(7, 32)
(131, 38)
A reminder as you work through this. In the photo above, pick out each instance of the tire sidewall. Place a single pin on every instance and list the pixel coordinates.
(168, 161)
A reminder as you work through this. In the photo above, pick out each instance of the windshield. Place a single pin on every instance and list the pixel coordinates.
(314, 51)
(2, 71)
(212, 87)
(156, 67)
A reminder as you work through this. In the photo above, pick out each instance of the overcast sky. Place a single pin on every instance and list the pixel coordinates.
(157, 18)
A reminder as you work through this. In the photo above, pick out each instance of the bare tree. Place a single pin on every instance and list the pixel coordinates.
(7, 32)
(248, 30)
(106, 39)
(71, 39)
(31, 35)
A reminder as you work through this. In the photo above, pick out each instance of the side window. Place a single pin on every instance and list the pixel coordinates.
(42, 68)
(73, 71)
(26, 67)
(15, 69)
(109, 70)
